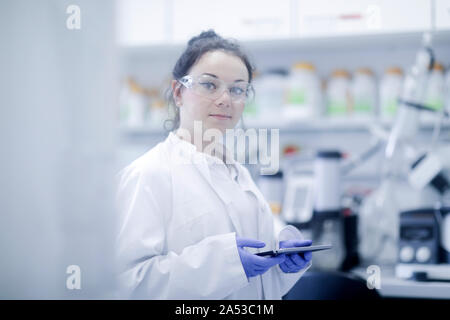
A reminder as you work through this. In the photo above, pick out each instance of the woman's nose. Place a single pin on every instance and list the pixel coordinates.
(224, 99)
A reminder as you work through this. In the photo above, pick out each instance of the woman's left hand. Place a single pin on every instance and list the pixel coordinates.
(296, 261)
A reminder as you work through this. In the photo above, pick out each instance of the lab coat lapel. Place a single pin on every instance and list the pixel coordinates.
(265, 233)
(202, 166)
(264, 229)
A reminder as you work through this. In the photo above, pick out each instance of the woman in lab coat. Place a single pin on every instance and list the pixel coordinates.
(185, 216)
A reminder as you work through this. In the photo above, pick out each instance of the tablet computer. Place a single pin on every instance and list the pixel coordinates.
(295, 250)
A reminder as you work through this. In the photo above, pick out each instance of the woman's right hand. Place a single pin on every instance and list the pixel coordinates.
(255, 265)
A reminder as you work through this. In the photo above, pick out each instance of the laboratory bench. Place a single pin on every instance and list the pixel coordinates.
(397, 288)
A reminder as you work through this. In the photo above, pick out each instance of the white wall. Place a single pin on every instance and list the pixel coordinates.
(58, 109)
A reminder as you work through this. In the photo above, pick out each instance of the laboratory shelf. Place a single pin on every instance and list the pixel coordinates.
(140, 131)
(318, 125)
(354, 41)
(304, 126)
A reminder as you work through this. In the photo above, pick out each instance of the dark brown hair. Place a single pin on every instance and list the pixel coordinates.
(197, 46)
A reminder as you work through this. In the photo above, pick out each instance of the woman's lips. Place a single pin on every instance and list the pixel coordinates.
(220, 116)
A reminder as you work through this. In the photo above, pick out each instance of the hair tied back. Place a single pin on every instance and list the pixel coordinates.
(210, 34)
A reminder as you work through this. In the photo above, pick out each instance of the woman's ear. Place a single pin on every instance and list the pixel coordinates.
(176, 92)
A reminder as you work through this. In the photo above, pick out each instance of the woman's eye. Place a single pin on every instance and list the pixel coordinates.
(237, 91)
(208, 85)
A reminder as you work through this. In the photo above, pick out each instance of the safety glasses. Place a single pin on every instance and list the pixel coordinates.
(212, 88)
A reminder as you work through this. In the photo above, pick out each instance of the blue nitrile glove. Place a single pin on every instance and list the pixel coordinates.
(296, 261)
(255, 265)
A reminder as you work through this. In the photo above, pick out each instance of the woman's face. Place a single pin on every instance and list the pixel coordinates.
(221, 113)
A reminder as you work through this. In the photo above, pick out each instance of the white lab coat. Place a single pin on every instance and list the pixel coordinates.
(177, 231)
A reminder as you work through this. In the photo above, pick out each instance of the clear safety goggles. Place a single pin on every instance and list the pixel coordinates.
(213, 88)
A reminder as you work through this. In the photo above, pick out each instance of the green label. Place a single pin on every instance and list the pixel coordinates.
(251, 109)
(435, 104)
(296, 97)
(391, 107)
(362, 106)
(335, 108)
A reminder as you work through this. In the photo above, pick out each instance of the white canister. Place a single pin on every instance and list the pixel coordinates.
(304, 93)
(327, 184)
(252, 110)
(272, 188)
(271, 94)
(137, 105)
(338, 93)
(447, 90)
(390, 90)
(435, 93)
(364, 93)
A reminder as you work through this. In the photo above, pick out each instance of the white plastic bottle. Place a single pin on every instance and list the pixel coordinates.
(338, 94)
(137, 105)
(124, 96)
(271, 95)
(364, 94)
(327, 184)
(447, 91)
(304, 93)
(251, 113)
(158, 114)
(390, 90)
(435, 93)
